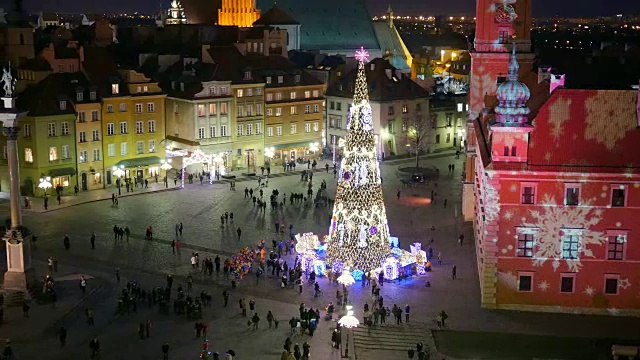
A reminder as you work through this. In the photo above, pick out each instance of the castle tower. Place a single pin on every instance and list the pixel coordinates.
(175, 15)
(498, 23)
(242, 13)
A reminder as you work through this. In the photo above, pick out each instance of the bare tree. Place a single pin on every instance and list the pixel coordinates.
(418, 135)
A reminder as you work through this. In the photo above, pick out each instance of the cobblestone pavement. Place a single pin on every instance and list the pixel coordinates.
(199, 208)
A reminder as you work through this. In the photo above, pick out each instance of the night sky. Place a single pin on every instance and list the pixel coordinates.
(409, 7)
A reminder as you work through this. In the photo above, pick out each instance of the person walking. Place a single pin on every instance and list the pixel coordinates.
(225, 295)
(83, 285)
(93, 240)
(239, 231)
(118, 275)
(67, 242)
(454, 272)
(165, 351)
(25, 308)
(173, 246)
(62, 335)
(407, 308)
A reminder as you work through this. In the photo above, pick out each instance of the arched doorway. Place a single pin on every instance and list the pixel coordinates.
(84, 181)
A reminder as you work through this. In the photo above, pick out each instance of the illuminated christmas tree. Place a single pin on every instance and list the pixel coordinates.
(359, 234)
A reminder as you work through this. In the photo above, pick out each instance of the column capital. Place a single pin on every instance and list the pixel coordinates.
(11, 132)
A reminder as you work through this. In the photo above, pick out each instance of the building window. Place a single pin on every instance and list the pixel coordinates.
(437, 138)
(280, 79)
(240, 130)
(570, 245)
(139, 127)
(138, 108)
(279, 130)
(316, 108)
(123, 149)
(307, 127)
(316, 93)
(152, 146)
(249, 110)
(240, 111)
(448, 139)
(338, 106)
(332, 105)
(269, 97)
(292, 95)
(115, 89)
(223, 131)
(307, 109)
(111, 129)
(278, 96)
(294, 110)
(258, 128)
(201, 133)
(151, 124)
(81, 117)
(258, 91)
(418, 107)
(123, 107)
(514, 151)
(526, 241)
(278, 111)
(82, 156)
(96, 154)
(223, 108)
(65, 152)
(212, 109)
(63, 105)
(528, 192)
(390, 112)
(249, 92)
(405, 109)
(200, 110)
(111, 150)
(53, 153)
(269, 131)
(247, 75)
(258, 109)
(27, 130)
(611, 284)
(51, 129)
(307, 94)
(503, 37)
(294, 129)
(572, 194)
(269, 112)
(212, 131)
(460, 105)
(95, 115)
(449, 119)
(65, 128)
(109, 108)
(316, 126)
(616, 246)
(391, 127)
(525, 282)
(82, 136)
(567, 283)
(95, 135)
(249, 129)
(240, 93)
(92, 95)
(28, 155)
(123, 127)
(139, 147)
(618, 198)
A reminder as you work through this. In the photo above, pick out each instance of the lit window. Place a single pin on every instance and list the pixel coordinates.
(307, 94)
(53, 153)
(249, 92)
(223, 108)
(405, 109)
(460, 105)
(278, 111)
(526, 240)
(212, 109)
(293, 95)
(82, 156)
(28, 155)
(316, 93)
(201, 110)
(316, 126)
(278, 96)
(115, 89)
(240, 93)
(294, 110)
(152, 146)
(571, 244)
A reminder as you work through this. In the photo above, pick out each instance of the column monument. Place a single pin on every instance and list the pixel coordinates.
(19, 269)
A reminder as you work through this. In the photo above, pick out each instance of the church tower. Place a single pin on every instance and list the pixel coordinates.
(242, 13)
(499, 23)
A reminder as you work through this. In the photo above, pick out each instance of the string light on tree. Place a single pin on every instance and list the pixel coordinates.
(359, 234)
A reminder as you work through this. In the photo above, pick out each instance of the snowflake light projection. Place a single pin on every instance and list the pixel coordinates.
(553, 222)
(543, 285)
(491, 200)
(482, 83)
(589, 291)
(608, 104)
(559, 115)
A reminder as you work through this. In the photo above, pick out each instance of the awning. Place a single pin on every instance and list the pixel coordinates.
(62, 172)
(137, 162)
(304, 144)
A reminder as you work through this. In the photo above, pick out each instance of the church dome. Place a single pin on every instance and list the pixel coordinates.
(512, 97)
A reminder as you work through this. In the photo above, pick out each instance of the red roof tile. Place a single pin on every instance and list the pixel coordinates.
(586, 128)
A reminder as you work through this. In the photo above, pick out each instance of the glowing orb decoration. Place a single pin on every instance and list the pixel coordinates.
(373, 230)
(349, 321)
(357, 274)
(362, 55)
(346, 176)
(367, 117)
(337, 267)
(346, 278)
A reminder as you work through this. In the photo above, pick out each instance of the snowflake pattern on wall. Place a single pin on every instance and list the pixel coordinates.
(611, 104)
(543, 285)
(559, 114)
(509, 279)
(552, 221)
(624, 283)
(589, 291)
(491, 200)
(481, 84)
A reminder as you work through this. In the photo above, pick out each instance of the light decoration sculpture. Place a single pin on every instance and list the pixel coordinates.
(391, 268)
(349, 321)
(358, 233)
(45, 184)
(421, 257)
(270, 152)
(166, 165)
(346, 278)
(196, 157)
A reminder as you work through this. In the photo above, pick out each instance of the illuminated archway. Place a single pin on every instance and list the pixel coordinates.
(195, 157)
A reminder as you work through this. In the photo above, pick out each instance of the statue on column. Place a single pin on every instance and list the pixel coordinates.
(8, 82)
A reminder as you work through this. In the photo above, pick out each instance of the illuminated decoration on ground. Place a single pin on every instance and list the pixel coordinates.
(357, 274)
(319, 267)
(306, 242)
(358, 233)
(421, 257)
(391, 268)
(196, 157)
(346, 278)
(349, 321)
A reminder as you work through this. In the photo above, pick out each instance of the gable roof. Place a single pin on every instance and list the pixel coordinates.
(330, 24)
(231, 65)
(276, 16)
(587, 128)
(386, 83)
(43, 98)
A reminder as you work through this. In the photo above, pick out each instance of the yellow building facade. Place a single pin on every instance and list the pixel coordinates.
(242, 13)
(247, 132)
(89, 145)
(133, 127)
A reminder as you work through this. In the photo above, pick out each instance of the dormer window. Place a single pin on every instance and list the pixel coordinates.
(181, 86)
(268, 79)
(63, 105)
(139, 89)
(79, 96)
(280, 79)
(297, 79)
(92, 95)
(247, 75)
(340, 87)
(115, 89)
(145, 89)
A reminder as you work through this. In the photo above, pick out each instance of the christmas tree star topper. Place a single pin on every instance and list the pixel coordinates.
(362, 55)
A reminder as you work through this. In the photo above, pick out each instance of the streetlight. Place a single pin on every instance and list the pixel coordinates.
(270, 152)
(45, 184)
(348, 321)
(118, 171)
(313, 147)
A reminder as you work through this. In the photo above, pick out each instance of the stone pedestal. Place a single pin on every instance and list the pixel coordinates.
(20, 274)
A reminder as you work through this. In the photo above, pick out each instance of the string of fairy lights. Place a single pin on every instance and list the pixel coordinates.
(359, 234)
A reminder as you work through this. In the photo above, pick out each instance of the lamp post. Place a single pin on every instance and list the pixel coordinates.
(166, 166)
(118, 171)
(45, 184)
(348, 321)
